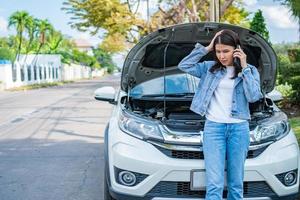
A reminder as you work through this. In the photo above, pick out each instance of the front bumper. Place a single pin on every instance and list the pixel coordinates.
(130, 197)
(169, 178)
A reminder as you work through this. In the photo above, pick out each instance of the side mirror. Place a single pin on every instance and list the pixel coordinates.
(106, 93)
(275, 95)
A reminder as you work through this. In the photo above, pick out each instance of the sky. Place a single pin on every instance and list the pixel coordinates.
(281, 26)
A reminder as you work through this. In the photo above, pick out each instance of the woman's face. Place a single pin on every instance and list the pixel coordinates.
(225, 54)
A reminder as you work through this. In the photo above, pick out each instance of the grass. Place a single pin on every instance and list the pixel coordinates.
(295, 123)
(40, 85)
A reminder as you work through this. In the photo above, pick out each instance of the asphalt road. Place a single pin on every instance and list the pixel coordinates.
(51, 142)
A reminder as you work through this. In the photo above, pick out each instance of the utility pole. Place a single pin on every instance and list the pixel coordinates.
(215, 10)
(148, 16)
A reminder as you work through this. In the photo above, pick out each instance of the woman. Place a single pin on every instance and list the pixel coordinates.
(224, 92)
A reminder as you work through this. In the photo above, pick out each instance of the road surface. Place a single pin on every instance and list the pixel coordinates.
(51, 142)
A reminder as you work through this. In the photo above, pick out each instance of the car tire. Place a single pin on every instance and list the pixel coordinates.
(107, 196)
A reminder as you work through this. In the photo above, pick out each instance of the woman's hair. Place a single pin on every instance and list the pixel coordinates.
(227, 37)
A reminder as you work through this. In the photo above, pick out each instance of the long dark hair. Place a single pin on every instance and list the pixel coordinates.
(227, 37)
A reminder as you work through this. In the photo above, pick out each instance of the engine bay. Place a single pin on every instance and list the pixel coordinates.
(175, 113)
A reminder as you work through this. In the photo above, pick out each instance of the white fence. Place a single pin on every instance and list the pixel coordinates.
(74, 71)
(34, 69)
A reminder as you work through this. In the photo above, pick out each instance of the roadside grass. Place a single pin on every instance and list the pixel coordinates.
(40, 85)
(295, 123)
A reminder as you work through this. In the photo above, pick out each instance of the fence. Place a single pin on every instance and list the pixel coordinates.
(35, 69)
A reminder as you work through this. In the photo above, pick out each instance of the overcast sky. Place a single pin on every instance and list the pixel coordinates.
(282, 27)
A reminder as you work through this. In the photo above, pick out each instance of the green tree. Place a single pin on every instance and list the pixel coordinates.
(6, 54)
(105, 59)
(65, 49)
(19, 19)
(44, 28)
(31, 26)
(93, 15)
(258, 25)
(54, 41)
(84, 59)
(4, 42)
(231, 11)
(124, 26)
(236, 14)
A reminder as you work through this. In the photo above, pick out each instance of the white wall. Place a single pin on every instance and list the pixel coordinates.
(32, 69)
(5, 76)
(75, 71)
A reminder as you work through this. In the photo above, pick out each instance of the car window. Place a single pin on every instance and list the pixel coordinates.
(178, 83)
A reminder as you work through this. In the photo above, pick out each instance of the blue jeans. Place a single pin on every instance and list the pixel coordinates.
(219, 140)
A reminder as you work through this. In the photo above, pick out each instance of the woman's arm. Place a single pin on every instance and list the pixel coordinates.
(250, 76)
(251, 83)
(189, 64)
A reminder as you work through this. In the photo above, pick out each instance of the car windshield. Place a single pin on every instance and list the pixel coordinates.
(177, 84)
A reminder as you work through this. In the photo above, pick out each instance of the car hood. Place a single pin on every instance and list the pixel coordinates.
(147, 59)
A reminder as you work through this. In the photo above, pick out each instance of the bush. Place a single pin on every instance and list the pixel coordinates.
(290, 73)
(6, 54)
(294, 54)
(66, 57)
(290, 70)
(283, 61)
(283, 47)
(85, 59)
(285, 89)
(295, 82)
(105, 59)
(287, 93)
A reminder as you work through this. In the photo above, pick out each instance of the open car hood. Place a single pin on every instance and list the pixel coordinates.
(145, 61)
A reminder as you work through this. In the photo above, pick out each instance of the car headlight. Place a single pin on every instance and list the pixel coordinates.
(138, 127)
(269, 132)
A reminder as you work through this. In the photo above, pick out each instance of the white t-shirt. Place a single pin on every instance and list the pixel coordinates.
(219, 108)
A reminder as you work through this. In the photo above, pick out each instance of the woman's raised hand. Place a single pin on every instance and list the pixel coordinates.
(211, 45)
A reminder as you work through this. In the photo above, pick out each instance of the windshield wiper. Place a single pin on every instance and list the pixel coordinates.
(170, 95)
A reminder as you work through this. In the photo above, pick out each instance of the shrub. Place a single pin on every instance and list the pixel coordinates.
(285, 89)
(295, 82)
(290, 73)
(290, 70)
(294, 54)
(85, 59)
(6, 54)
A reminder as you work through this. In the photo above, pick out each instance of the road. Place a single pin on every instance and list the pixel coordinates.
(51, 142)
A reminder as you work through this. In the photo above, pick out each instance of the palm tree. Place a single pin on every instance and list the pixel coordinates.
(19, 19)
(32, 28)
(43, 28)
(55, 39)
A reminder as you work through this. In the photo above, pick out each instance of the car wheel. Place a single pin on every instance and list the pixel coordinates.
(106, 191)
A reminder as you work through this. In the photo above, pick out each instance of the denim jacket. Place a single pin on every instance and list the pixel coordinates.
(246, 85)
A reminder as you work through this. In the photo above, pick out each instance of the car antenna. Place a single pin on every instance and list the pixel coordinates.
(165, 62)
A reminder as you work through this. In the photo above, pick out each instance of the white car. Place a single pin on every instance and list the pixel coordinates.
(153, 142)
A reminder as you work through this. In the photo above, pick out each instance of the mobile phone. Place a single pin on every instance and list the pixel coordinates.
(236, 60)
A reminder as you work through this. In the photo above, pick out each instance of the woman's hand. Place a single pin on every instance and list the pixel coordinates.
(211, 45)
(239, 53)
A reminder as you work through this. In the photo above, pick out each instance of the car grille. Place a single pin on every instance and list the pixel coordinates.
(199, 154)
(182, 190)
